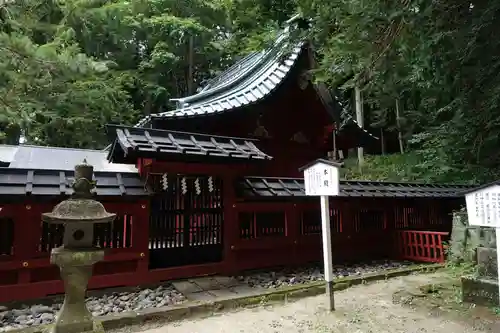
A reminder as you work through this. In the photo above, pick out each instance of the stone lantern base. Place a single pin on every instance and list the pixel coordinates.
(76, 270)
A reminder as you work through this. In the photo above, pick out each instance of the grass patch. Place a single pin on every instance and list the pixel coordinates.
(456, 270)
(445, 300)
(393, 167)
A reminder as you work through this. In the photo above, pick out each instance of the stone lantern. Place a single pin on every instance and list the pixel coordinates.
(77, 255)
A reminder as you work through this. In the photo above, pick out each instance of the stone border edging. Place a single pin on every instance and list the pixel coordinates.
(190, 309)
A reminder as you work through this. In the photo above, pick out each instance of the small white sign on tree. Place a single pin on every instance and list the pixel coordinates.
(483, 210)
(321, 178)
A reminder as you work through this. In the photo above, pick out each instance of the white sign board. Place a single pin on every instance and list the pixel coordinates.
(483, 210)
(321, 179)
(483, 207)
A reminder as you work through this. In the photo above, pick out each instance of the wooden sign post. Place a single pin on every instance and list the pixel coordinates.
(321, 178)
(483, 210)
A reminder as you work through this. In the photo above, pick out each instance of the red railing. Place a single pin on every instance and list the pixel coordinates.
(426, 246)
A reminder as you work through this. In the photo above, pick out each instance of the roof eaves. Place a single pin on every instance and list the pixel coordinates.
(270, 57)
(361, 188)
(267, 55)
(256, 87)
(480, 187)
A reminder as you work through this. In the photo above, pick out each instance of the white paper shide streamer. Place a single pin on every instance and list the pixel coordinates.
(184, 185)
(197, 186)
(210, 184)
(164, 181)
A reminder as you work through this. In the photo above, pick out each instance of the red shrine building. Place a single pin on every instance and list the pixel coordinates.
(213, 187)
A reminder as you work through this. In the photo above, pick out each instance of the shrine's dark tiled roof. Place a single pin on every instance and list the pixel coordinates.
(29, 182)
(131, 143)
(252, 79)
(282, 187)
(480, 187)
(247, 82)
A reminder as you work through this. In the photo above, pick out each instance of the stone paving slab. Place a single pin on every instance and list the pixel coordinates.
(201, 296)
(247, 290)
(223, 294)
(186, 287)
(207, 283)
(215, 288)
(227, 281)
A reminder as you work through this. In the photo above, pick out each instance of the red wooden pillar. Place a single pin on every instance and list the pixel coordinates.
(390, 229)
(27, 228)
(348, 242)
(293, 230)
(140, 238)
(230, 225)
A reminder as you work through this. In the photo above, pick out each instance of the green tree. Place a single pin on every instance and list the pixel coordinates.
(438, 58)
(51, 92)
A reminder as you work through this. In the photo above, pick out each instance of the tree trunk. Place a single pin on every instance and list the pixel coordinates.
(382, 141)
(398, 124)
(190, 78)
(360, 120)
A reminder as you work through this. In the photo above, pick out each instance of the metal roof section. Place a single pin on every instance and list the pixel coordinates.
(29, 182)
(480, 187)
(285, 187)
(7, 153)
(53, 158)
(131, 143)
(246, 82)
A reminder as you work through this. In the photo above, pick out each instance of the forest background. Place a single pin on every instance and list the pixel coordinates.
(68, 67)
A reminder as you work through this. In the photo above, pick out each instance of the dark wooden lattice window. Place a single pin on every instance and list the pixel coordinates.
(412, 218)
(6, 236)
(262, 224)
(113, 235)
(310, 222)
(52, 236)
(369, 220)
(188, 212)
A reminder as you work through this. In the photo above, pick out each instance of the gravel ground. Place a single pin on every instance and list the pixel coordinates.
(305, 274)
(360, 309)
(106, 304)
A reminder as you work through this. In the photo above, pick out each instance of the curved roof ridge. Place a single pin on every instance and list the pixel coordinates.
(262, 72)
(267, 55)
(214, 82)
(250, 80)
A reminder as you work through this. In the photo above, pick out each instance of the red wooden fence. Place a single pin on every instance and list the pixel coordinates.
(25, 269)
(256, 235)
(425, 246)
(288, 233)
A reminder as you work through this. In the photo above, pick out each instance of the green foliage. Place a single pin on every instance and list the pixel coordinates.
(50, 91)
(437, 58)
(395, 167)
(69, 67)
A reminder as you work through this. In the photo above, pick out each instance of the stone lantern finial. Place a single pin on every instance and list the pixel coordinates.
(83, 184)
